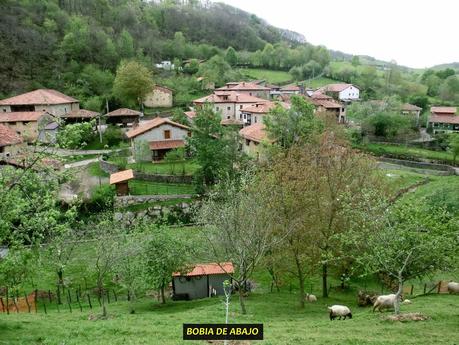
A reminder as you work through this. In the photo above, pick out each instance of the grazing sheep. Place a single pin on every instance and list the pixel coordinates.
(453, 287)
(406, 301)
(339, 310)
(384, 302)
(310, 298)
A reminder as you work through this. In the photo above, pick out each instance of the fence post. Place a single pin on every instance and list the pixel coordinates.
(7, 302)
(49, 297)
(59, 301)
(108, 295)
(35, 298)
(69, 300)
(44, 306)
(412, 288)
(439, 287)
(116, 297)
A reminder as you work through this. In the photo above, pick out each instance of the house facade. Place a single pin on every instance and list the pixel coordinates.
(443, 120)
(256, 113)
(247, 88)
(326, 104)
(228, 104)
(160, 134)
(159, 97)
(203, 280)
(341, 92)
(251, 138)
(11, 143)
(41, 100)
(28, 124)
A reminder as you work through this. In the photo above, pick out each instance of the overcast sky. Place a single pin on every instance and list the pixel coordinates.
(414, 33)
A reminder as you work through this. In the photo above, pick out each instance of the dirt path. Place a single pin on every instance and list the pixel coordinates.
(83, 184)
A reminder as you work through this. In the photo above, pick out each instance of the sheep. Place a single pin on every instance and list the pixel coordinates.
(406, 301)
(311, 298)
(384, 301)
(453, 287)
(339, 310)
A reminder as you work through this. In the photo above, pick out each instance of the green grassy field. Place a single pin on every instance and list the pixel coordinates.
(188, 167)
(273, 77)
(319, 82)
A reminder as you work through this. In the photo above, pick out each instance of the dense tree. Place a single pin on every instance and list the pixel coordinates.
(132, 82)
(231, 56)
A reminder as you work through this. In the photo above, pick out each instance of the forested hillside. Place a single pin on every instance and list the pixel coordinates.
(49, 42)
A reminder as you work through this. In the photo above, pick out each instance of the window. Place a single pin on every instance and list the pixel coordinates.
(240, 107)
(240, 116)
(217, 108)
(4, 110)
(189, 134)
(228, 108)
(250, 93)
(167, 134)
(247, 142)
(255, 119)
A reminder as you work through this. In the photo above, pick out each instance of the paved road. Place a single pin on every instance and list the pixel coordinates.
(80, 163)
(65, 152)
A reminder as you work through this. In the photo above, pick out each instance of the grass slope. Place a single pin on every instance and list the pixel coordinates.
(273, 77)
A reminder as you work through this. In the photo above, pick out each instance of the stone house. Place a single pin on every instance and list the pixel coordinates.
(28, 124)
(251, 138)
(247, 88)
(41, 100)
(443, 120)
(124, 117)
(159, 97)
(255, 113)
(11, 143)
(160, 134)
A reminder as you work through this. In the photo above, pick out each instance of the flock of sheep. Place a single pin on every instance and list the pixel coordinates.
(380, 303)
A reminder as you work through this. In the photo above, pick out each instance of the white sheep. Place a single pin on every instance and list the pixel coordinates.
(384, 302)
(406, 301)
(311, 298)
(339, 310)
(453, 287)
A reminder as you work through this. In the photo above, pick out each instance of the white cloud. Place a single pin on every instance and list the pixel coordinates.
(413, 33)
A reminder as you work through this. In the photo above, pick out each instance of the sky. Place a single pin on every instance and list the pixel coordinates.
(414, 33)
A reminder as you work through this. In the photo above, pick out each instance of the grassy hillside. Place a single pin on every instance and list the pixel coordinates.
(272, 77)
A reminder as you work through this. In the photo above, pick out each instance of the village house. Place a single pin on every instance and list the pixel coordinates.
(80, 115)
(326, 104)
(51, 101)
(160, 134)
(275, 90)
(290, 90)
(190, 115)
(443, 120)
(341, 92)
(203, 280)
(124, 117)
(255, 113)
(251, 138)
(228, 103)
(11, 143)
(247, 88)
(30, 125)
(159, 97)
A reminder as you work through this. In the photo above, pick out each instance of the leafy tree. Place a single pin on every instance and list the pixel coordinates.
(176, 156)
(454, 145)
(231, 56)
(132, 82)
(142, 152)
(214, 148)
(238, 227)
(355, 61)
(113, 135)
(126, 45)
(191, 67)
(216, 70)
(166, 253)
(180, 117)
(449, 89)
(294, 125)
(415, 242)
(76, 135)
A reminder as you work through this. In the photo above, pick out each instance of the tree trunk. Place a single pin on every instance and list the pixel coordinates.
(397, 296)
(300, 281)
(60, 276)
(241, 300)
(131, 302)
(163, 298)
(324, 280)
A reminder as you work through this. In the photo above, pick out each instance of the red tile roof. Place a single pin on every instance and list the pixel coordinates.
(410, 107)
(263, 108)
(443, 110)
(123, 112)
(157, 121)
(121, 176)
(231, 122)
(208, 269)
(166, 144)
(255, 132)
(244, 86)
(336, 87)
(80, 114)
(229, 97)
(190, 114)
(444, 118)
(21, 116)
(291, 88)
(163, 89)
(8, 136)
(327, 104)
(40, 96)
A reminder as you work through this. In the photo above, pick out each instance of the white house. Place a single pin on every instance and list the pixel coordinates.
(342, 92)
(160, 134)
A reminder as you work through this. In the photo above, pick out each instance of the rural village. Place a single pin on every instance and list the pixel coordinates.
(277, 183)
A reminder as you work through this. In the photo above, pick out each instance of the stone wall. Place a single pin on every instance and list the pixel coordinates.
(420, 165)
(108, 167)
(126, 200)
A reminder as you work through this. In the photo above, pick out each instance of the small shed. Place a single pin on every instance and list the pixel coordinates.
(204, 280)
(120, 180)
(124, 117)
